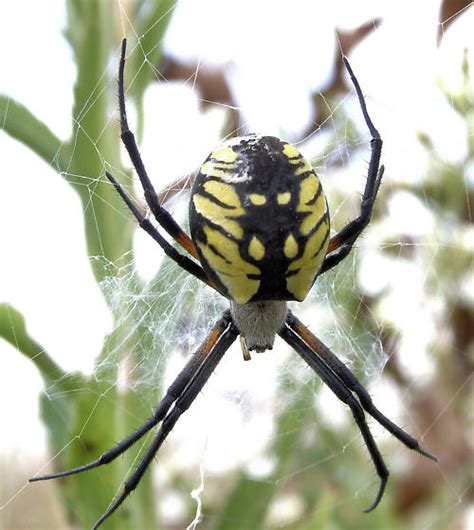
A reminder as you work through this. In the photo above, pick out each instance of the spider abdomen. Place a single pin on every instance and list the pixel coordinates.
(259, 220)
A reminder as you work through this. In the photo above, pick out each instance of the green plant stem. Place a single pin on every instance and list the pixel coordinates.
(13, 330)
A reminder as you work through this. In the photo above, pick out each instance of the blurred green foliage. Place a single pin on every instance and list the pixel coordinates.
(82, 161)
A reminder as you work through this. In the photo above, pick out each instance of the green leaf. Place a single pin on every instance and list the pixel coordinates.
(21, 124)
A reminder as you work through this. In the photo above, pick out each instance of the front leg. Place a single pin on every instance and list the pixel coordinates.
(341, 244)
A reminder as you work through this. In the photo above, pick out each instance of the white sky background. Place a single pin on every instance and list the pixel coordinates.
(41, 234)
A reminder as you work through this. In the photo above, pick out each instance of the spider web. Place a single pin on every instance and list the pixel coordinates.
(394, 296)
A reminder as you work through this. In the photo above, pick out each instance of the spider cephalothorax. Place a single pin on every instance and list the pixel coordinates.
(260, 236)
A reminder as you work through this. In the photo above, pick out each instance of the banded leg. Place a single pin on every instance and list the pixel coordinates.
(181, 405)
(182, 260)
(189, 381)
(163, 217)
(353, 384)
(343, 383)
(341, 244)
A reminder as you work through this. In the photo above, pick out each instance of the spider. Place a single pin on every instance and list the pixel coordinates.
(259, 226)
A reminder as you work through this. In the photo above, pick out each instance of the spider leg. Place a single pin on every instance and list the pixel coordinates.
(345, 395)
(343, 383)
(182, 260)
(353, 384)
(341, 243)
(185, 378)
(226, 338)
(163, 217)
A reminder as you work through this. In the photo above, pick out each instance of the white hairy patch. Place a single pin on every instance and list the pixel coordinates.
(259, 322)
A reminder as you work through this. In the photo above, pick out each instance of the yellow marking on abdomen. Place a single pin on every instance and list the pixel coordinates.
(296, 159)
(225, 154)
(256, 249)
(284, 198)
(313, 218)
(290, 247)
(290, 151)
(219, 215)
(308, 191)
(257, 199)
(211, 169)
(308, 265)
(225, 193)
(304, 168)
(229, 266)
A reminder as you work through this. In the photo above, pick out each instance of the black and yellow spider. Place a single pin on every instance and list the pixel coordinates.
(259, 236)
